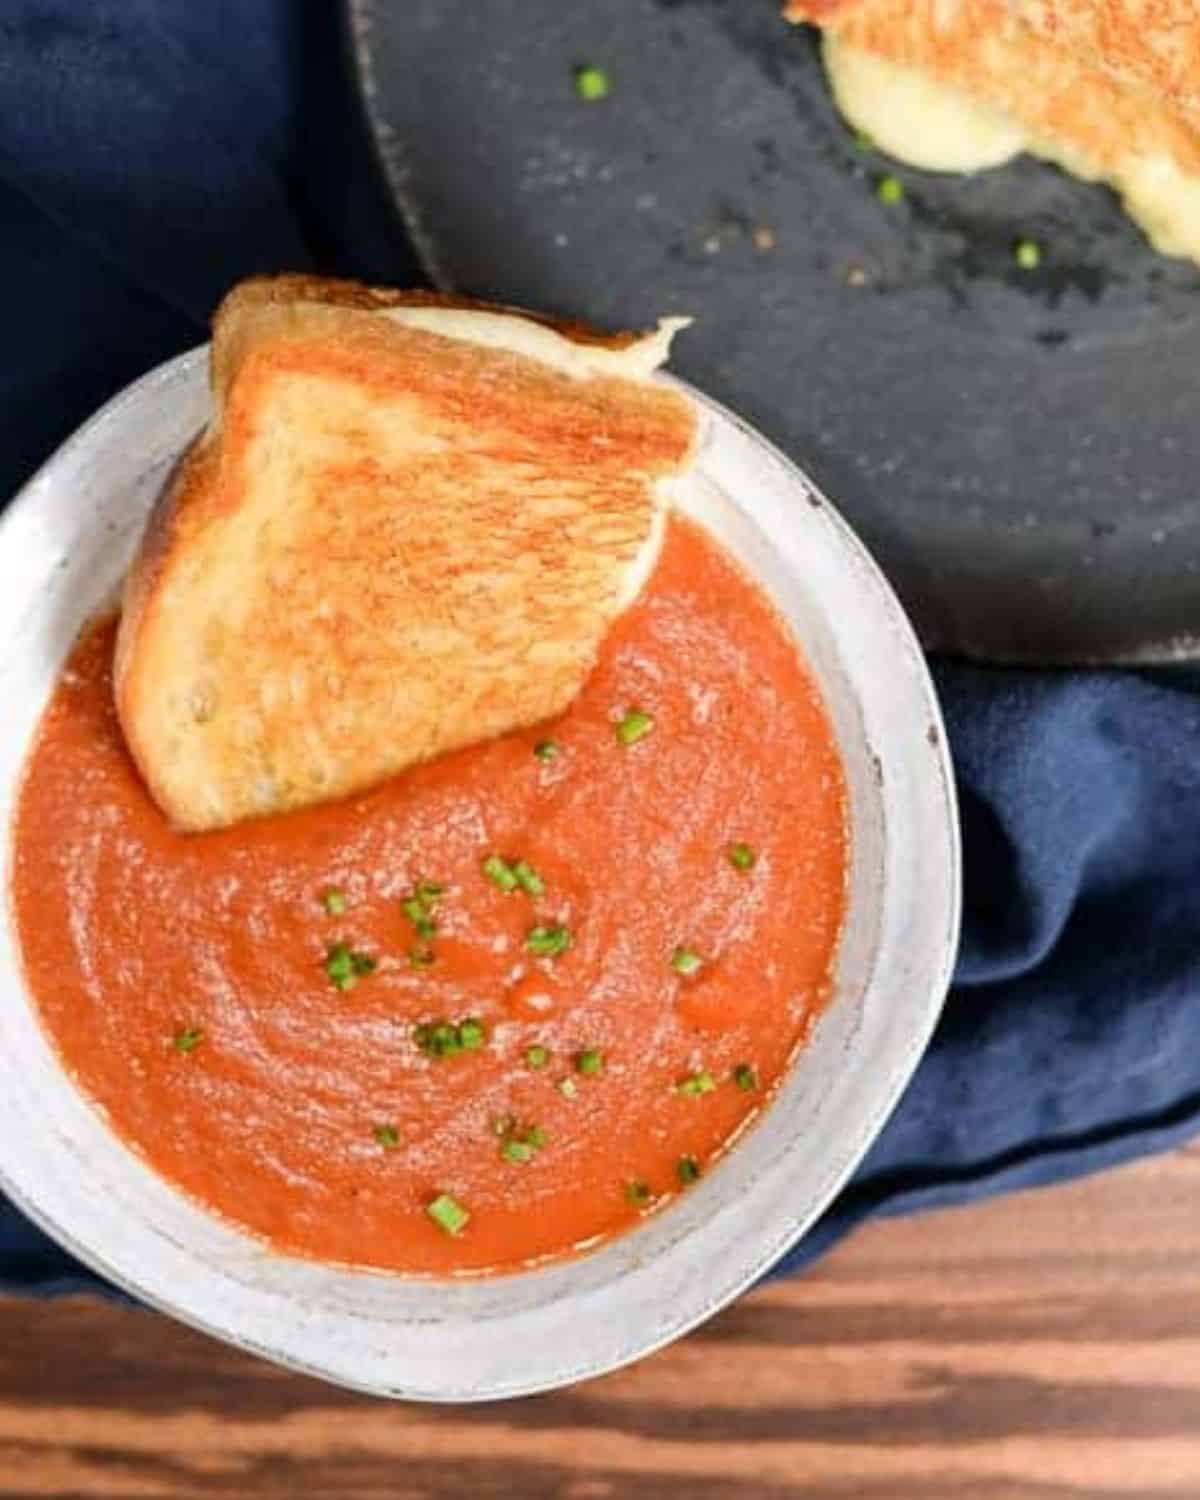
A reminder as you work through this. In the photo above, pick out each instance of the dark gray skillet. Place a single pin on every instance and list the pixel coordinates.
(1020, 449)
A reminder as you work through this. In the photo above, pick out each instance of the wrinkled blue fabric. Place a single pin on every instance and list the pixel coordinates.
(153, 151)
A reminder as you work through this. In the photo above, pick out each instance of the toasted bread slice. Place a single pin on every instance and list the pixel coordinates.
(407, 528)
(1106, 90)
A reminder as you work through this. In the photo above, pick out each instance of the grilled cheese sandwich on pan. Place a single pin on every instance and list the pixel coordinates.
(1107, 89)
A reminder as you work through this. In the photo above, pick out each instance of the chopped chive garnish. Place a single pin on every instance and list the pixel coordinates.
(448, 1214)
(188, 1038)
(471, 1035)
(568, 1088)
(421, 957)
(741, 856)
(446, 1039)
(509, 876)
(387, 1136)
(536, 1056)
(592, 83)
(686, 962)
(418, 908)
(589, 1062)
(1027, 254)
(687, 1169)
(745, 1077)
(520, 1147)
(637, 1191)
(548, 941)
(546, 750)
(889, 190)
(345, 967)
(528, 878)
(697, 1083)
(334, 901)
(500, 872)
(636, 725)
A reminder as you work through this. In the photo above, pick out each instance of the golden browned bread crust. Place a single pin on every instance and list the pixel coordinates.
(388, 544)
(1096, 84)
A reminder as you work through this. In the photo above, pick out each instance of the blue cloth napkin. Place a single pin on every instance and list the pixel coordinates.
(154, 151)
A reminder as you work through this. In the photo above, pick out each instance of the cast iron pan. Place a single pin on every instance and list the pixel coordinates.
(1019, 449)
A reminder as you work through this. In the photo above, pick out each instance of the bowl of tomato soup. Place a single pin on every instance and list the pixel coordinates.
(523, 1063)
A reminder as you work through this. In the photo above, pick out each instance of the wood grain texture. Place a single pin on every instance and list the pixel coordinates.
(1043, 1347)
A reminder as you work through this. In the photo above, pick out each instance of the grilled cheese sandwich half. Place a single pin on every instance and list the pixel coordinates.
(407, 528)
(1109, 90)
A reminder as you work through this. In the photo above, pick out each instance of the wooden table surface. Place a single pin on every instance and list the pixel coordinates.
(1044, 1347)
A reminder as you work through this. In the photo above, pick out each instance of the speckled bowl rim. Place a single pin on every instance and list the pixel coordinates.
(64, 542)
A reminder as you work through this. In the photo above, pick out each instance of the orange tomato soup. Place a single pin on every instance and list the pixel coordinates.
(492, 1012)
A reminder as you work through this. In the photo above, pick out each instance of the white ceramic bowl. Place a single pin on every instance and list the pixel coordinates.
(64, 544)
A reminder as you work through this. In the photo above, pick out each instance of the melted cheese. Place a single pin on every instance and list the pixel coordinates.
(1165, 202)
(517, 335)
(909, 116)
(914, 118)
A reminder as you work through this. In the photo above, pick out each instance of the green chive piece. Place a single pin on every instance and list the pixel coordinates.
(334, 901)
(546, 750)
(438, 1039)
(536, 1056)
(345, 967)
(548, 942)
(421, 957)
(636, 725)
(637, 1192)
(697, 1083)
(889, 190)
(471, 1035)
(445, 1042)
(742, 856)
(339, 965)
(521, 1148)
(687, 1169)
(592, 83)
(188, 1038)
(568, 1088)
(745, 1077)
(387, 1136)
(448, 1039)
(448, 1214)
(1027, 254)
(416, 909)
(589, 1062)
(686, 962)
(500, 873)
(419, 905)
(528, 878)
